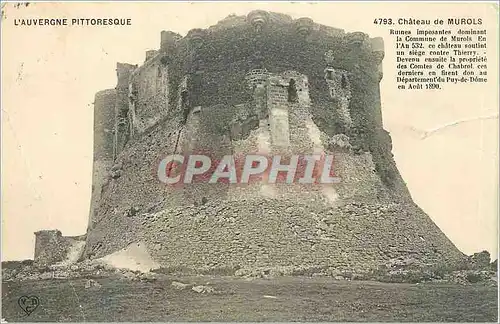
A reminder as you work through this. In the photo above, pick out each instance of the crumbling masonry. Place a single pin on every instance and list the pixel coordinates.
(264, 83)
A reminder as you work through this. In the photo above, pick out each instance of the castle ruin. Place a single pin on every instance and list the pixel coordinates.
(261, 83)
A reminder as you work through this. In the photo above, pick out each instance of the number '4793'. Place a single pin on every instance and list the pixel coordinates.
(382, 21)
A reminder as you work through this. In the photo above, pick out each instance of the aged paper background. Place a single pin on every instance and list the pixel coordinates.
(50, 76)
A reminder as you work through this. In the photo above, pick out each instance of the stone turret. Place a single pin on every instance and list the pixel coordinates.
(104, 136)
(122, 123)
(258, 19)
(196, 37)
(168, 41)
(304, 26)
(378, 50)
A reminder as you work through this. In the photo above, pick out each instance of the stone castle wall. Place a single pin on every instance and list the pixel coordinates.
(51, 247)
(264, 232)
(148, 94)
(104, 103)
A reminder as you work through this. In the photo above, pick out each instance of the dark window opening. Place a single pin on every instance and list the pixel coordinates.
(292, 91)
(344, 81)
(159, 72)
(184, 104)
(184, 98)
(329, 75)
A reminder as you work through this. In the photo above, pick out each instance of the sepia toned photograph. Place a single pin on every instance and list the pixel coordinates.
(249, 162)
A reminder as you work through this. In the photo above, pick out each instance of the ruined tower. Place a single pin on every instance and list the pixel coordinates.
(262, 83)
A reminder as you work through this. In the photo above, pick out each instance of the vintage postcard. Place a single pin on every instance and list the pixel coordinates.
(249, 161)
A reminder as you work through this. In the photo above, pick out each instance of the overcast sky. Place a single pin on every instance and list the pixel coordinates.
(50, 75)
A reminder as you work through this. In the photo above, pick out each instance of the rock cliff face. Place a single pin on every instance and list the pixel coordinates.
(264, 84)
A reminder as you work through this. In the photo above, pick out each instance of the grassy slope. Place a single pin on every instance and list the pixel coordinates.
(298, 299)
